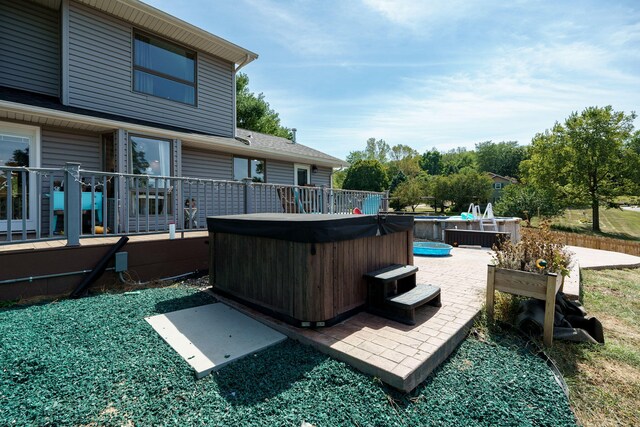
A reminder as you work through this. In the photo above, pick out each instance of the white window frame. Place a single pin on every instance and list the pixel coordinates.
(297, 166)
(32, 132)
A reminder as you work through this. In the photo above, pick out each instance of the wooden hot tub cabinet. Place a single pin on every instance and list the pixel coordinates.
(305, 269)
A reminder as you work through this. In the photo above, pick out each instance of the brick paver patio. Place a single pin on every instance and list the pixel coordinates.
(398, 354)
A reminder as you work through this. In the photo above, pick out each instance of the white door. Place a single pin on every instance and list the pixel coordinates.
(301, 174)
(19, 147)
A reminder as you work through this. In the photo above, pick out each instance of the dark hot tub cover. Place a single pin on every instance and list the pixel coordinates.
(309, 228)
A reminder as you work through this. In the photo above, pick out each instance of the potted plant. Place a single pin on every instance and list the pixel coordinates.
(533, 267)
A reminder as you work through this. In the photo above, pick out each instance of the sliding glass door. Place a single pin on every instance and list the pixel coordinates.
(19, 147)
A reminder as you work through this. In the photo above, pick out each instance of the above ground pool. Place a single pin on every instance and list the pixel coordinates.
(431, 249)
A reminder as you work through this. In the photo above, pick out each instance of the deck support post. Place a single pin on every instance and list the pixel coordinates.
(72, 204)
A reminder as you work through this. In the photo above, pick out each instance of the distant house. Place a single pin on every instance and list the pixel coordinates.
(121, 87)
(499, 183)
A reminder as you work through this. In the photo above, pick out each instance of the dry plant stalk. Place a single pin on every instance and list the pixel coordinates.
(535, 244)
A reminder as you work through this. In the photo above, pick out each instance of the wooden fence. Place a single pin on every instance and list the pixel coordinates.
(596, 242)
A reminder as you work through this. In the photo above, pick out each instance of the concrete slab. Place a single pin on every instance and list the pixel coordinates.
(210, 336)
(596, 259)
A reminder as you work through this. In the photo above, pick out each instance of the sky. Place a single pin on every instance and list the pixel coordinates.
(429, 74)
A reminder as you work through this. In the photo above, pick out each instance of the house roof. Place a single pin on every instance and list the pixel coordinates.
(506, 178)
(148, 17)
(279, 144)
(48, 111)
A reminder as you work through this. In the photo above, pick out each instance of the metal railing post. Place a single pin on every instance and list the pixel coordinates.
(72, 204)
(248, 196)
(9, 183)
(385, 204)
(324, 199)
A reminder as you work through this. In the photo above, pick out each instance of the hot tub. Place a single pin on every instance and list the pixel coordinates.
(431, 249)
(306, 269)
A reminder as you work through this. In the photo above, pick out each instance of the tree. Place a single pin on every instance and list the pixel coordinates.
(467, 187)
(408, 193)
(525, 201)
(457, 159)
(400, 151)
(254, 113)
(632, 157)
(438, 188)
(430, 162)
(585, 158)
(338, 178)
(366, 175)
(502, 158)
(398, 179)
(375, 150)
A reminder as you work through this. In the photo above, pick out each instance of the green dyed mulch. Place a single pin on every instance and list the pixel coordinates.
(96, 361)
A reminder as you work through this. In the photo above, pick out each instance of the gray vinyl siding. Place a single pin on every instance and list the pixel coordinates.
(29, 47)
(206, 164)
(279, 172)
(59, 146)
(322, 177)
(218, 199)
(101, 78)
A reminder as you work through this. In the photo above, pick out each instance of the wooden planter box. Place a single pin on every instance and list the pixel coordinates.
(523, 283)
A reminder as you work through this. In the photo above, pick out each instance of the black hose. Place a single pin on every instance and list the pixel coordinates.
(99, 269)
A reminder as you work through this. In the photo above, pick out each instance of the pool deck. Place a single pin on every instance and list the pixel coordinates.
(403, 356)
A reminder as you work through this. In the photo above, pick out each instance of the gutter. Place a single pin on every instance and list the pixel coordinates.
(229, 144)
(141, 7)
(243, 63)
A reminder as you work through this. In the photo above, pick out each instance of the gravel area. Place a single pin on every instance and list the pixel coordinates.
(95, 361)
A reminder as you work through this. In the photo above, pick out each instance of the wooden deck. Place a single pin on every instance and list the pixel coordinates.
(150, 256)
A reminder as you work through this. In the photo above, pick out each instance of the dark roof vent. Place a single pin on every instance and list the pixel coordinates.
(293, 133)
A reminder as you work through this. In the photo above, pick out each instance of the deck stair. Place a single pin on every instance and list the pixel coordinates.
(392, 292)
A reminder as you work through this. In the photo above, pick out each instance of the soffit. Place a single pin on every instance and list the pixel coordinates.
(148, 17)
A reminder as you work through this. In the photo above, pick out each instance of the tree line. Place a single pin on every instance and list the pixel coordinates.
(588, 160)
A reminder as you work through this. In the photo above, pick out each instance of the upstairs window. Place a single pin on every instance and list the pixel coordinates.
(164, 69)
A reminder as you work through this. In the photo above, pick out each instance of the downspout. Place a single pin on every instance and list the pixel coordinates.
(235, 105)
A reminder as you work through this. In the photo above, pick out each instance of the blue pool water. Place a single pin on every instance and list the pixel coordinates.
(431, 249)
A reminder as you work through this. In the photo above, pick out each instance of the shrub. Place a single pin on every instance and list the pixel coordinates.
(535, 245)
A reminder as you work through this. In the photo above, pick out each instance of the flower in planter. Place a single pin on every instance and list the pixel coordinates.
(538, 251)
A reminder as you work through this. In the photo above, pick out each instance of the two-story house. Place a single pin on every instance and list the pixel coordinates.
(120, 86)
(499, 183)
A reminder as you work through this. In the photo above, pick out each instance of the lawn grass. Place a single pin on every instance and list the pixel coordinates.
(616, 223)
(603, 380)
(95, 361)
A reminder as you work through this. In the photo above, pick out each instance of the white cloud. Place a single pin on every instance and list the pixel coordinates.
(419, 15)
(515, 95)
(294, 27)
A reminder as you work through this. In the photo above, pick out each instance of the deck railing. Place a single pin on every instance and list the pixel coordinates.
(70, 202)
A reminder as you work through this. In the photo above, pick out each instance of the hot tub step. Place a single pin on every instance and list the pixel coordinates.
(421, 294)
(392, 273)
